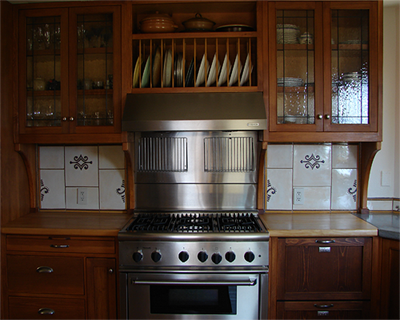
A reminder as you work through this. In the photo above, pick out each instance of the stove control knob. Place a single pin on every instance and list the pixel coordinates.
(137, 256)
(183, 256)
(156, 256)
(249, 256)
(230, 256)
(202, 256)
(216, 258)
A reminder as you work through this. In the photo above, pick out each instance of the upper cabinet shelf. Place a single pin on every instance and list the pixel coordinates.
(208, 46)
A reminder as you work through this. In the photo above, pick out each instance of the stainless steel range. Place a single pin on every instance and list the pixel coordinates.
(195, 247)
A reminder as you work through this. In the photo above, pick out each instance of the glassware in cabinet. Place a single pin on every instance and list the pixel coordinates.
(295, 66)
(42, 71)
(95, 62)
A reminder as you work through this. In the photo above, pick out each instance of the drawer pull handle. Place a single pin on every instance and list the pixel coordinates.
(323, 305)
(325, 241)
(44, 269)
(110, 271)
(46, 311)
(59, 245)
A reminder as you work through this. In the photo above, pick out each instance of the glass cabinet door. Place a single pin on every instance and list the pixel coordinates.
(298, 57)
(352, 86)
(95, 70)
(349, 66)
(42, 82)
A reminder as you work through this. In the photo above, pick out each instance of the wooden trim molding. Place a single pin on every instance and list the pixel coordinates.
(368, 150)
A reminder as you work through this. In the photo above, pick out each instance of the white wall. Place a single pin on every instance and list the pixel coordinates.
(387, 160)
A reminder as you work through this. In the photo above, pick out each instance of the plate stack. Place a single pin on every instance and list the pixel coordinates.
(287, 33)
(290, 82)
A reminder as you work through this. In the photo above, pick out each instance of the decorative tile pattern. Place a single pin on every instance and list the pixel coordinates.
(81, 162)
(270, 190)
(52, 189)
(81, 166)
(279, 189)
(312, 165)
(280, 156)
(312, 162)
(344, 189)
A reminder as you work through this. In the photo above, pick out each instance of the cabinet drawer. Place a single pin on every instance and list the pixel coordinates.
(323, 310)
(37, 274)
(32, 308)
(324, 268)
(60, 244)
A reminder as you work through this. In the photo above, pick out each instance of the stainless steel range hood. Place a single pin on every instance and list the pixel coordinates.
(194, 112)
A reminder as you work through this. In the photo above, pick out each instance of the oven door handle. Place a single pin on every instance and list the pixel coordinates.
(197, 283)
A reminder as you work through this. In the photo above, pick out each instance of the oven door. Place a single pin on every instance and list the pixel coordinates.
(194, 296)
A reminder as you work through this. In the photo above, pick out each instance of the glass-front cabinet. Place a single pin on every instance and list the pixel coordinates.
(323, 67)
(70, 66)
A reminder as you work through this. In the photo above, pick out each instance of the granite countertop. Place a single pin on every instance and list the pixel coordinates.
(388, 223)
(71, 223)
(317, 225)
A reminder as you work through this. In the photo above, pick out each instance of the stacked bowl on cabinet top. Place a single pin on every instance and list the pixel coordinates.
(165, 68)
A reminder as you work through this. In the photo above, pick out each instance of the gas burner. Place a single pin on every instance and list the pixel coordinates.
(151, 222)
(193, 223)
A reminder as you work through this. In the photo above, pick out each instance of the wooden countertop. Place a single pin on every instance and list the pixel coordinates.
(70, 223)
(317, 225)
(110, 223)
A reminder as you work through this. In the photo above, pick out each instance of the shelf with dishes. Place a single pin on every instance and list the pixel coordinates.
(194, 62)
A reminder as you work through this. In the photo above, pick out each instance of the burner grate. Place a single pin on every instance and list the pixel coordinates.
(195, 222)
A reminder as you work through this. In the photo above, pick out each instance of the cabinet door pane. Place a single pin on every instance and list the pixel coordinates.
(95, 70)
(295, 66)
(43, 71)
(349, 67)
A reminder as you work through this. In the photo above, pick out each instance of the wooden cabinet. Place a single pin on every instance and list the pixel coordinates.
(328, 277)
(325, 71)
(61, 276)
(197, 60)
(390, 279)
(69, 76)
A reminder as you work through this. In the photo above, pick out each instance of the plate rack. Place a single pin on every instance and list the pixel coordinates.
(193, 49)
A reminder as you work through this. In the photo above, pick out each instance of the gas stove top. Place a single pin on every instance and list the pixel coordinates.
(198, 225)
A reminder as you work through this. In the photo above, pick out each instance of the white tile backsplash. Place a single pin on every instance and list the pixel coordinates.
(81, 166)
(111, 157)
(51, 158)
(112, 189)
(344, 189)
(312, 165)
(326, 174)
(100, 170)
(52, 189)
(92, 199)
(280, 156)
(278, 190)
(315, 198)
(344, 156)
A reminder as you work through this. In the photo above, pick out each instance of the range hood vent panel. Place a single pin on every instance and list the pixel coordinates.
(194, 112)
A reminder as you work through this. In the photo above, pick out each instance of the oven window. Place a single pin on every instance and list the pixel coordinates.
(193, 299)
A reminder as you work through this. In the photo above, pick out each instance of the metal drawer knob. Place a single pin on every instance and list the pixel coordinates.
(110, 271)
(46, 311)
(44, 269)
